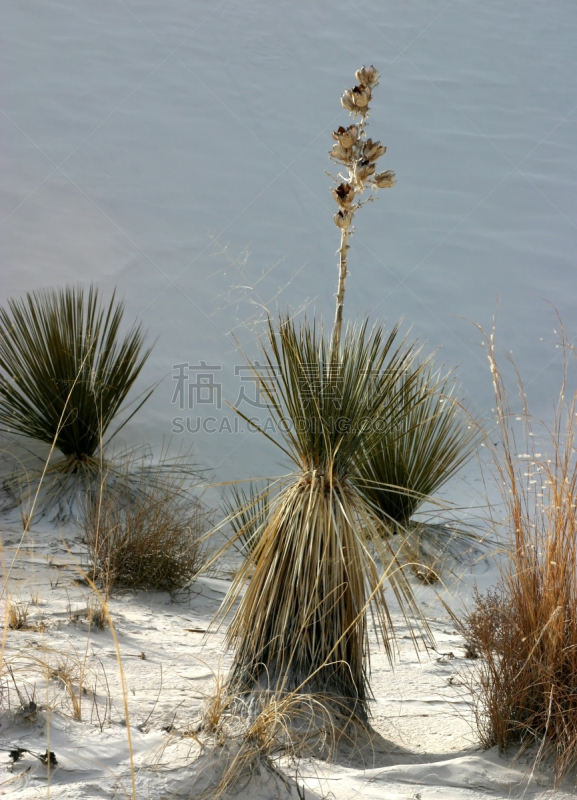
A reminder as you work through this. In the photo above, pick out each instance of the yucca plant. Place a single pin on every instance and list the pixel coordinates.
(427, 446)
(319, 561)
(66, 367)
(322, 558)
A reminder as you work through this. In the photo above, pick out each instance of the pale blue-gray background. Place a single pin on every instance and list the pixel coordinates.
(141, 138)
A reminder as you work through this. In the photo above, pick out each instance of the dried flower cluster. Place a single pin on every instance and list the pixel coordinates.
(356, 152)
(359, 155)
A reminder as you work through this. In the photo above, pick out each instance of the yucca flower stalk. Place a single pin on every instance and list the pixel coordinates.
(66, 369)
(318, 564)
(435, 437)
(359, 155)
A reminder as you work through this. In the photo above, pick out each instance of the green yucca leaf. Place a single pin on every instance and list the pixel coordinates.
(66, 368)
(426, 446)
(329, 415)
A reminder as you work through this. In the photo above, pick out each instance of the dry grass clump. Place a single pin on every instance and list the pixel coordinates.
(145, 534)
(17, 616)
(93, 614)
(487, 623)
(525, 631)
(268, 734)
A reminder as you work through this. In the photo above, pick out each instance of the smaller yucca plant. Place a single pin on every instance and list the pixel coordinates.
(417, 455)
(66, 368)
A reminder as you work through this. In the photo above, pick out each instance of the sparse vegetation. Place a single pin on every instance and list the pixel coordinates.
(145, 532)
(525, 630)
(69, 681)
(93, 614)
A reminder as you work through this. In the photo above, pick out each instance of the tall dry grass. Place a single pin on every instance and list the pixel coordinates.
(525, 630)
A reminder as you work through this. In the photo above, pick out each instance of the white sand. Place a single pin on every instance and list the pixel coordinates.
(425, 744)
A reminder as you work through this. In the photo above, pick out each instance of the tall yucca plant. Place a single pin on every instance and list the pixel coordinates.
(321, 560)
(421, 451)
(318, 563)
(66, 369)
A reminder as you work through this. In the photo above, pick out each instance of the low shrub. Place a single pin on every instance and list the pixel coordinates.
(145, 534)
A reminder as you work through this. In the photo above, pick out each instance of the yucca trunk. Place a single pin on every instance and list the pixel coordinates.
(306, 599)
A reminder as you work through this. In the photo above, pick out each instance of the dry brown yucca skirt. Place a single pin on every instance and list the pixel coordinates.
(301, 623)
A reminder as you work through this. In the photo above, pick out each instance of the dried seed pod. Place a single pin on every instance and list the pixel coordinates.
(346, 137)
(340, 153)
(367, 75)
(347, 101)
(344, 194)
(364, 169)
(356, 99)
(384, 180)
(343, 218)
(373, 150)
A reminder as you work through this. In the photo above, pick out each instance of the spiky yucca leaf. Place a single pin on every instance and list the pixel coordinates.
(318, 565)
(66, 369)
(425, 447)
(329, 414)
(248, 512)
